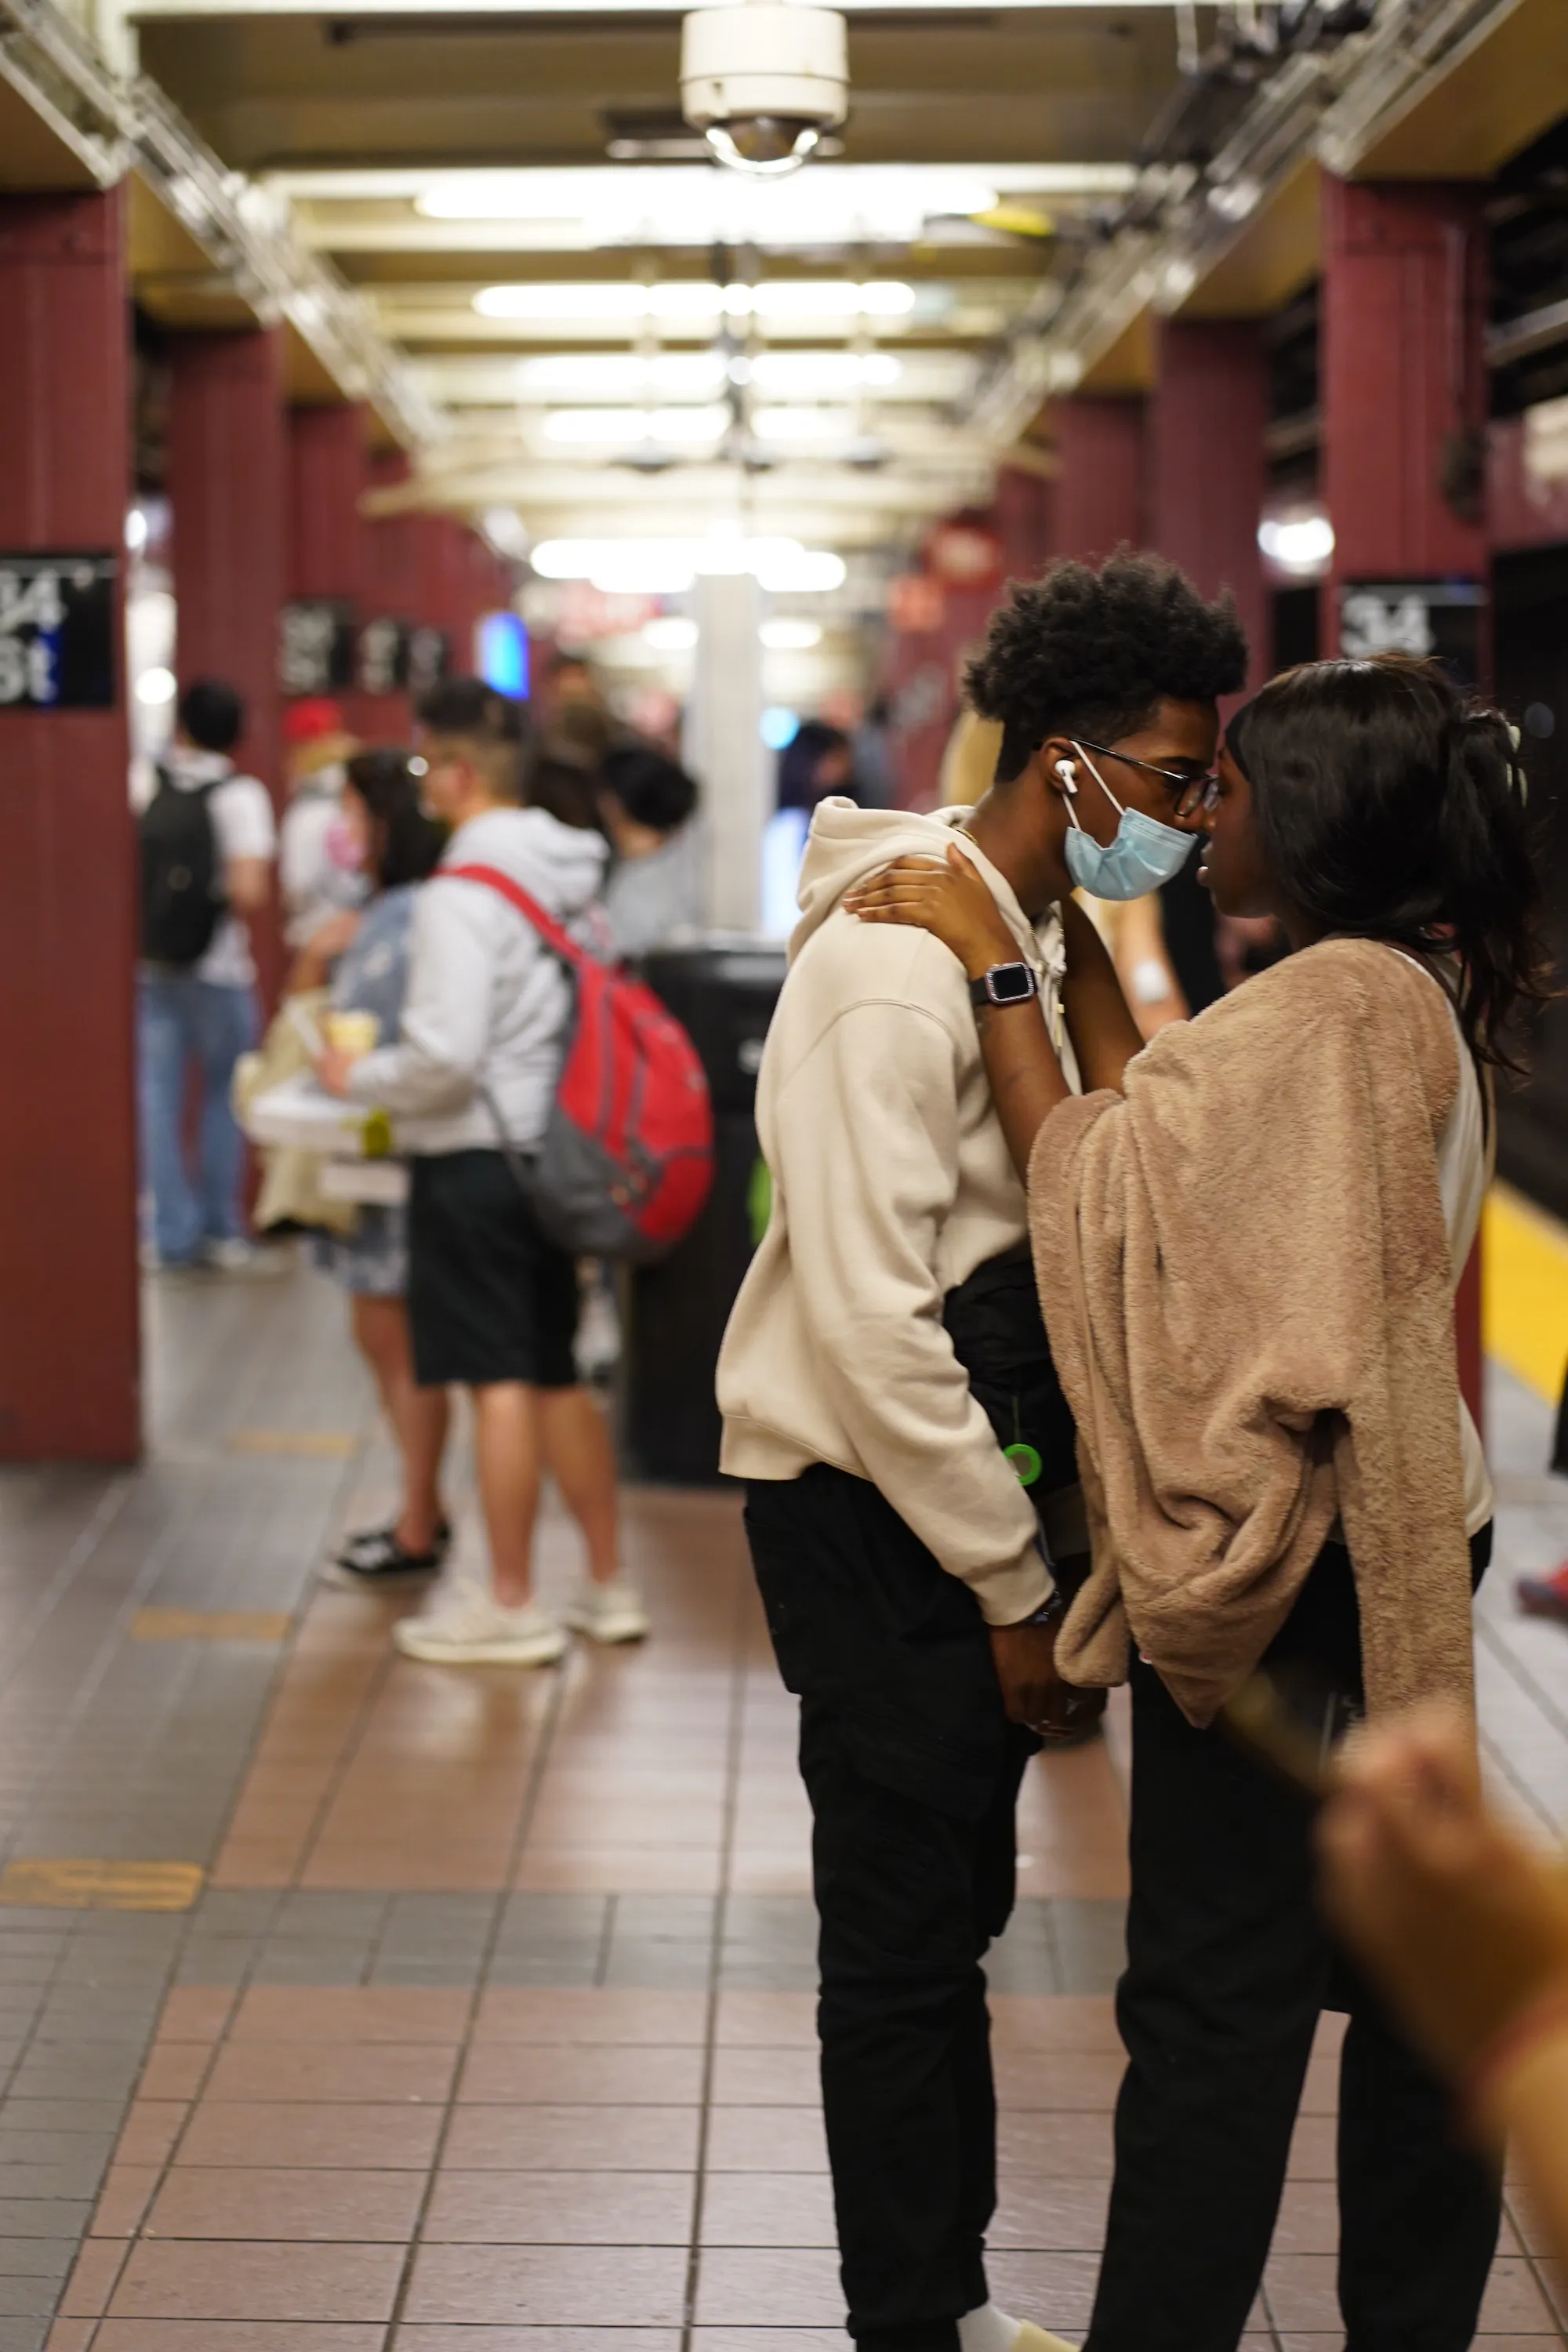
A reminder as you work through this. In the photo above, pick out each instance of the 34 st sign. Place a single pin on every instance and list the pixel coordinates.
(56, 632)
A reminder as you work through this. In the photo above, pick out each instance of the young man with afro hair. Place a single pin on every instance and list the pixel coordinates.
(887, 1391)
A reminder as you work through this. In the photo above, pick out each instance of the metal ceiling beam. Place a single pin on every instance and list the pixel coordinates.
(150, 10)
(1181, 221)
(118, 125)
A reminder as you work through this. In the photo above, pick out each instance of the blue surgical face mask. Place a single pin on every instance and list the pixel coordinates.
(1144, 854)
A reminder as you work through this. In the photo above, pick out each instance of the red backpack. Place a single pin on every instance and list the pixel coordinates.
(627, 1161)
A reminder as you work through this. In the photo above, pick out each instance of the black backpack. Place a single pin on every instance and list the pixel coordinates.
(181, 881)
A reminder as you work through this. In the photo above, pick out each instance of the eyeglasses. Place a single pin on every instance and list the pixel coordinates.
(1192, 792)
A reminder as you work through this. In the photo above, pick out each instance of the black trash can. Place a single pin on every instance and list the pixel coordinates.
(724, 994)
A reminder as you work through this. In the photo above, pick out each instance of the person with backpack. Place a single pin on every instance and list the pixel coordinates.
(472, 1083)
(209, 840)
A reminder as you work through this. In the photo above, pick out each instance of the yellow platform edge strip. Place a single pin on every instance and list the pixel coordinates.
(49, 1885)
(1524, 1291)
(210, 1625)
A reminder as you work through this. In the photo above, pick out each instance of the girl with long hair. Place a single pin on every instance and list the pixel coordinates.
(1247, 1259)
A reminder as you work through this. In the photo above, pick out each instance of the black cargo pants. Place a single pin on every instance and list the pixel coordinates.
(912, 1771)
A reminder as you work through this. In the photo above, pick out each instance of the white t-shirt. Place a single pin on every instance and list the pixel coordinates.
(314, 885)
(244, 825)
(1464, 1172)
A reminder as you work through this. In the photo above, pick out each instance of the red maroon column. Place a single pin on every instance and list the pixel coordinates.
(1403, 381)
(227, 492)
(1207, 464)
(1404, 401)
(1100, 457)
(68, 1340)
(391, 594)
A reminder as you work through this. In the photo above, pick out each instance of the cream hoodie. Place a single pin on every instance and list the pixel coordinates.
(891, 1184)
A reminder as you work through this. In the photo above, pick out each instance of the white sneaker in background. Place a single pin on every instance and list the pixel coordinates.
(464, 1627)
(244, 1257)
(598, 1345)
(608, 1612)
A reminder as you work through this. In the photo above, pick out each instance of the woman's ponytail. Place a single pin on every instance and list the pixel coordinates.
(1489, 891)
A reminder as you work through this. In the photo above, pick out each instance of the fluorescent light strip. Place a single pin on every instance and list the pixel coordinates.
(548, 192)
(150, 11)
(697, 298)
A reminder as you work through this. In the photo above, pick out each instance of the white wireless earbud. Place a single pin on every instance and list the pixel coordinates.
(1064, 771)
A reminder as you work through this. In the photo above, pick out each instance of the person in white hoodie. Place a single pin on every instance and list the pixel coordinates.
(887, 1388)
(492, 1303)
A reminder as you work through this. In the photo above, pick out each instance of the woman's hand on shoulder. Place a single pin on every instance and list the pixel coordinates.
(949, 899)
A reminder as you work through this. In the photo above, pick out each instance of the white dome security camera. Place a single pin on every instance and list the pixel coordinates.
(764, 81)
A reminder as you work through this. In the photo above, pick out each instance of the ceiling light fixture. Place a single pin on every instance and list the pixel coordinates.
(1300, 543)
(790, 636)
(697, 298)
(666, 567)
(612, 428)
(671, 633)
(802, 424)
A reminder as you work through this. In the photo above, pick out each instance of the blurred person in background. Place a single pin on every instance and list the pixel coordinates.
(395, 846)
(315, 872)
(202, 1010)
(876, 768)
(1247, 1255)
(471, 1079)
(1464, 1928)
(648, 803)
(817, 761)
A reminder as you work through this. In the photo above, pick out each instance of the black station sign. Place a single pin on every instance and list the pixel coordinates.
(392, 657)
(315, 646)
(1421, 617)
(56, 632)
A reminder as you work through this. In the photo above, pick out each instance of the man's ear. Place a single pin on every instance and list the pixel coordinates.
(1059, 766)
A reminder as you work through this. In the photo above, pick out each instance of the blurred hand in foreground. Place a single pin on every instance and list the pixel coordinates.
(1463, 1925)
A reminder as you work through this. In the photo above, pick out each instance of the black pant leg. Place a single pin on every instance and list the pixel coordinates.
(1227, 1969)
(906, 2060)
(1419, 2208)
(912, 1772)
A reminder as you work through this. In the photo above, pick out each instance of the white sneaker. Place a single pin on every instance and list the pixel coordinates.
(608, 1612)
(239, 1257)
(464, 1627)
(599, 1348)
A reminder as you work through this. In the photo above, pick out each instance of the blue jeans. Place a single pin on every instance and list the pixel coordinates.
(180, 1020)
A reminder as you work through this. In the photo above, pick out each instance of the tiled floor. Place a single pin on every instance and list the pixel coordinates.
(489, 2028)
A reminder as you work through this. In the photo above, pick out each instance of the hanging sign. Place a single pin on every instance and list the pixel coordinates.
(56, 632)
(427, 659)
(380, 656)
(1424, 618)
(393, 656)
(916, 604)
(315, 646)
(965, 556)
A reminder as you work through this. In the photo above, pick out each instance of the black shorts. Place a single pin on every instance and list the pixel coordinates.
(489, 1298)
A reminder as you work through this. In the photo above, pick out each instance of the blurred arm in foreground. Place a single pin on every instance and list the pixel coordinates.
(1464, 1927)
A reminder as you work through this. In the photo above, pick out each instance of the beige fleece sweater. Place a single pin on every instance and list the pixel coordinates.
(1246, 1270)
(891, 1184)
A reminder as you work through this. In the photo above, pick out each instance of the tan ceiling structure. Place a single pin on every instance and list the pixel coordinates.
(489, 219)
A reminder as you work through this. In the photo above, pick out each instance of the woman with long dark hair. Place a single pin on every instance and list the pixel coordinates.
(1246, 1260)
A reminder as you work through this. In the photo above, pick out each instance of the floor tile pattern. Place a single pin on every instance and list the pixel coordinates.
(490, 2028)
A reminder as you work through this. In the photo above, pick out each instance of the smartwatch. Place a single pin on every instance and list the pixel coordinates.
(1004, 983)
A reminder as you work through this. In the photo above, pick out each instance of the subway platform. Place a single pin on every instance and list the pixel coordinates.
(348, 2003)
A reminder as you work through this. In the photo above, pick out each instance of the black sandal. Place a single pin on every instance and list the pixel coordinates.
(375, 1556)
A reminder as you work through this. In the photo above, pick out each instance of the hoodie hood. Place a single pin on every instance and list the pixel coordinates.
(847, 843)
(561, 865)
